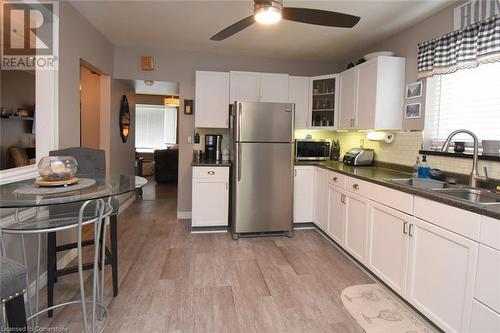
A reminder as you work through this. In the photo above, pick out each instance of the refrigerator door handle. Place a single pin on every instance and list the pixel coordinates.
(238, 138)
(239, 161)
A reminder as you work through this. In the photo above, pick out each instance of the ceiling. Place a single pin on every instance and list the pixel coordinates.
(188, 25)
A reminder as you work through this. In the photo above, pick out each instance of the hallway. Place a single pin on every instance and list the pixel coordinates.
(175, 281)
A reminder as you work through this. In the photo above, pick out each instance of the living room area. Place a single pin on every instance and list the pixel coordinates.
(156, 130)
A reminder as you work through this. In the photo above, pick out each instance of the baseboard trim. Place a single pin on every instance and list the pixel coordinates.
(183, 215)
(126, 204)
(209, 230)
(61, 263)
(304, 225)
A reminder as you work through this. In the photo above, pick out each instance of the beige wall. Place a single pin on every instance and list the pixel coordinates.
(78, 41)
(122, 155)
(89, 108)
(180, 67)
(404, 44)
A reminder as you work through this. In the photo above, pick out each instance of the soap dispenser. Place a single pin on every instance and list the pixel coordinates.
(415, 168)
(424, 169)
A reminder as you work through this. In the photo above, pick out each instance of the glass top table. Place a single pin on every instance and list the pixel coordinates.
(109, 186)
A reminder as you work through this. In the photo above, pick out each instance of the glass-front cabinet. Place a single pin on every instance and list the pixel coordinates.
(324, 95)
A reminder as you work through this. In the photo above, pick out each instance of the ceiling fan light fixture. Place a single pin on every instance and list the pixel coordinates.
(267, 11)
(268, 15)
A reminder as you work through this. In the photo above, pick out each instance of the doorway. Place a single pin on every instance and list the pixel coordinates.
(90, 100)
(157, 135)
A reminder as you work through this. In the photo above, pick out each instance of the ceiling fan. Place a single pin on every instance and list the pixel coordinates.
(271, 11)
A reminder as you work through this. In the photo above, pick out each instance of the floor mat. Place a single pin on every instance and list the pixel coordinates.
(377, 311)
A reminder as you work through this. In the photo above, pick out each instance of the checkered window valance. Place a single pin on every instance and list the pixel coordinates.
(465, 48)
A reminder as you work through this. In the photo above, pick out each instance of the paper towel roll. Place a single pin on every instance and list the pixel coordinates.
(388, 137)
(381, 136)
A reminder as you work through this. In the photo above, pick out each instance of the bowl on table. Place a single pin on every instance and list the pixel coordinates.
(59, 170)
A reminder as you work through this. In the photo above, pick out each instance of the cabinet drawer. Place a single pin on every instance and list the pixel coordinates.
(457, 220)
(483, 320)
(336, 179)
(487, 289)
(210, 172)
(358, 186)
(490, 232)
(392, 198)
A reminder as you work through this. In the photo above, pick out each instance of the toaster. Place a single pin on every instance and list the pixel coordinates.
(359, 156)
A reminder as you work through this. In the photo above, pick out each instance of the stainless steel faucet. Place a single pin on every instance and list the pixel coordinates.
(474, 175)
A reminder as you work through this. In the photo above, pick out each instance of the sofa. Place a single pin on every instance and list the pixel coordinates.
(166, 165)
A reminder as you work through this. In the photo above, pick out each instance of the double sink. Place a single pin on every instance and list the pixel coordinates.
(474, 195)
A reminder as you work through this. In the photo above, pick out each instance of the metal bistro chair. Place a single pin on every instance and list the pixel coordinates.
(90, 162)
(12, 290)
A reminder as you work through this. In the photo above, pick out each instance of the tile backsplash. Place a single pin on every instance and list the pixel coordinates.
(403, 150)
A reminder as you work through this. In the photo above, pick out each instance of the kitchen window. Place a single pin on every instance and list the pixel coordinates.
(156, 127)
(468, 98)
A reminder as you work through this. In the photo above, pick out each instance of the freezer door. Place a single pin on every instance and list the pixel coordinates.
(262, 187)
(262, 122)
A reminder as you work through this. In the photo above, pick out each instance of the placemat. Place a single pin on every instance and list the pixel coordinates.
(32, 189)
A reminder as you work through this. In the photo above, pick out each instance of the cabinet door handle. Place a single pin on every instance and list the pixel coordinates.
(295, 172)
(404, 227)
(355, 186)
(211, 173)
(410, 230)
(307, 123)
(227, 185)
(335, 179)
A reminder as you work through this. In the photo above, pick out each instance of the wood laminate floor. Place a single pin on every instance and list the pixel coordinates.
(175, 281)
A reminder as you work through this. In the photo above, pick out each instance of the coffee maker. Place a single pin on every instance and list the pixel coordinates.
(213, 147)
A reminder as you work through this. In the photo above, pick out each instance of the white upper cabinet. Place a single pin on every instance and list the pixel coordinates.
(299, 95)
(274, 88)
(212, 99)
(366, 104)
(323, 101)
(244, 86)
(378, 94)
(258, 87)
(347, 99)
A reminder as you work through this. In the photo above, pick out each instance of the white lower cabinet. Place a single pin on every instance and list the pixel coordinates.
(303, 194)
(336, 214)
(210, 202)
(320, 198)
(483, 319)
(356, 225)
(388, 244)
(441, 273)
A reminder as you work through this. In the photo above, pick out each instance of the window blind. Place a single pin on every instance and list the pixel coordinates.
(469, 98)
(156, 126)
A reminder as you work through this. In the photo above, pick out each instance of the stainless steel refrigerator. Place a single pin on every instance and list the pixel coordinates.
(262, 173)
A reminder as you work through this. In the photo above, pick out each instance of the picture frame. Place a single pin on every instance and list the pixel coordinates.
(188, 106)
(413, 111)
(414, 90)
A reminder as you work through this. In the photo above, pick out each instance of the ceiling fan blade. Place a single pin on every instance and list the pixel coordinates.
(320, 17)
(234, 28)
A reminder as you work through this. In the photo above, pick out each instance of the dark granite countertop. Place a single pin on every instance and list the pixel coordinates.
(211, 163)
(380, 176)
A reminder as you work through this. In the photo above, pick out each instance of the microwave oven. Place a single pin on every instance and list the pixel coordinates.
(312, 150)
